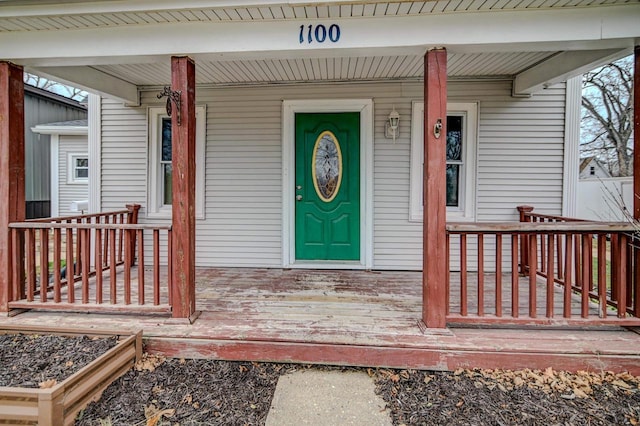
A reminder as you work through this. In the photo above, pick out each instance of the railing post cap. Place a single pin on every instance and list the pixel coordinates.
(525, 209)
(131, 207)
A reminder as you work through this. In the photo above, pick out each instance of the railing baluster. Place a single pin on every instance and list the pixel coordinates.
(615, 271)
(77, 267)
(85, 242)
(578, 261)
(156, 267)
(140, 238)
(31, 265)
(120, 237)
(18, 291)
(127, 266)
(480, 275)
(622, 276)
(533, 276)
(568, 268)
(112, 267)
(57, 248)
(586, 273)
(498, 275)
(105, 248)
(44, 263)
(98, 262)
(463, 275)
(550, 275)
(515, 278)
(560, 257)
(602, 275)
(70, 267)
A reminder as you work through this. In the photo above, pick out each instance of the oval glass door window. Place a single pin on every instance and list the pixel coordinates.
(327, 166)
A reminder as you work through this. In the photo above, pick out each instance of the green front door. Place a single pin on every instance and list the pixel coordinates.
(327, 179)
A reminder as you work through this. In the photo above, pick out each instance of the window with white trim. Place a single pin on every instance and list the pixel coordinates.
(78, 168)
(160, 181)
(461, 140)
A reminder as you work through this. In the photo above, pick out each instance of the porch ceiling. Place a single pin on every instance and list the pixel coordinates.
(14, 16)
(327, 69)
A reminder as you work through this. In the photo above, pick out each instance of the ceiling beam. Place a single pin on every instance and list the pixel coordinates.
(91, 80)
(561, 67)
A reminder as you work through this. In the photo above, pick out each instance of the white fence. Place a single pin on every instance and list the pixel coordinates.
(603, 199)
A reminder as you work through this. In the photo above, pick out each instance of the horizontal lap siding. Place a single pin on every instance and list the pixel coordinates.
(124, 155)
(520, 161)
(69, 192)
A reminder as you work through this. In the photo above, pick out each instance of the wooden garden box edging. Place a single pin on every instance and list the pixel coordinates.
(60, 404)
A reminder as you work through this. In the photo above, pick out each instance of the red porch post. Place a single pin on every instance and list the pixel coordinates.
(636, 175)
(12, 190)
(183, 162)
(434, 263)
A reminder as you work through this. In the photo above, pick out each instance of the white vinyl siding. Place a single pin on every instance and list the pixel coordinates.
(520, 160)
(70, 146)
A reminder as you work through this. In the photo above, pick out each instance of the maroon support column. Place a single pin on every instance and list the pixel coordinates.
(434, 256)
(183, 162)
(636, 135)
(12, 195)
(636, 176)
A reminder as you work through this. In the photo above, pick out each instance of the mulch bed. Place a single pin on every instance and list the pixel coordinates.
(32, 361)
(185, 392)
(486, 397)
(188, 392)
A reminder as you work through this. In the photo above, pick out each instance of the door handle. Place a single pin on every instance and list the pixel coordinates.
(299, 197)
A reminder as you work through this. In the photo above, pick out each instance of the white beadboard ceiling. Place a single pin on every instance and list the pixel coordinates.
(327, 69)
(34, 22)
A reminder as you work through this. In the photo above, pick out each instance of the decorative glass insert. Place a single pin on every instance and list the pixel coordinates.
(165, 162)
(327, 166)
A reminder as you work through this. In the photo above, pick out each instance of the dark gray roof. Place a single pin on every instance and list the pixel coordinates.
(71, 123)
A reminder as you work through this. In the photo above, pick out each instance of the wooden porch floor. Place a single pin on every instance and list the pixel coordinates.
(348, 318)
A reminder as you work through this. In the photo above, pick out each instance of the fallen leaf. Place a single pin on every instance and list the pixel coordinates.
(188, 399)
(153, 414)
(459, 404)
(621, 384)
(47, 384)
(68, 364)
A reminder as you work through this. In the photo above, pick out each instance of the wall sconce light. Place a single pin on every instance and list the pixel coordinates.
(391, 126)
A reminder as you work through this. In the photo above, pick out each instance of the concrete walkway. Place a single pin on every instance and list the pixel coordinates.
(327, 398)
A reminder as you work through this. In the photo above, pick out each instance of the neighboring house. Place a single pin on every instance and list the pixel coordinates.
(69, 165)
(300, 136)
(41, 106)
(592, 168)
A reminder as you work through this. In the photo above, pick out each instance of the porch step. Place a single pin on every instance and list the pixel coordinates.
(572, 350)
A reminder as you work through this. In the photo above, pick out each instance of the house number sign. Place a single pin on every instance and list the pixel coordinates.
(319, 33)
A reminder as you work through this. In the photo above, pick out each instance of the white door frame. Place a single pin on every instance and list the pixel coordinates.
(289, 109)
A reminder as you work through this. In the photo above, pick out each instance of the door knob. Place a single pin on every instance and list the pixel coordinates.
(298, 187)
(298, 197)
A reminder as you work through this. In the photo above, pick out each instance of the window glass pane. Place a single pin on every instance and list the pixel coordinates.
(82, 162)
(454, 138)
(166, 139)
(167, 184)
(82, 173)
(453, 185)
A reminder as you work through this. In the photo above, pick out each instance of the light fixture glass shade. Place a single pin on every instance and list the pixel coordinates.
(394, 119)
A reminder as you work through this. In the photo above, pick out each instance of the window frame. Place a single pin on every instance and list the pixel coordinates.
(155, 206)
(72, 167)
(467, 210)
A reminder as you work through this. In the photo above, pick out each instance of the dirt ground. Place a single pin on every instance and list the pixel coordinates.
(190, 392)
